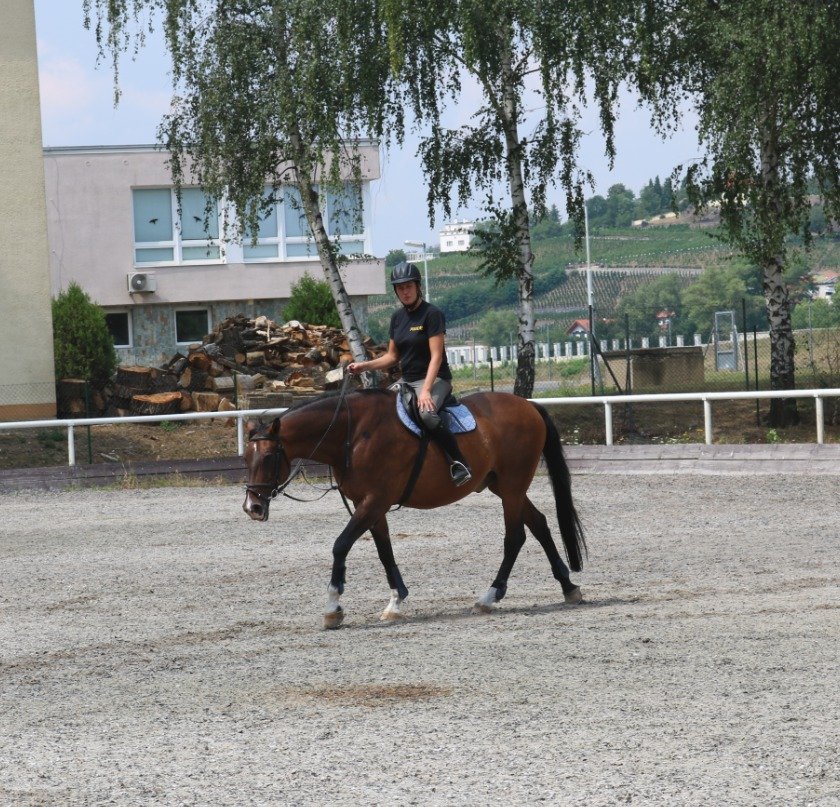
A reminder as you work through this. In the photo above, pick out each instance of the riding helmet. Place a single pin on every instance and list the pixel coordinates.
(404, 272)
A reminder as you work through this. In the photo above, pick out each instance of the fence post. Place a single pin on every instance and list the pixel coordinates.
(819, 414)
(746, 343)
(71, 445)
(707, 420)
(240, 435)
(608, 422)
(755, 372)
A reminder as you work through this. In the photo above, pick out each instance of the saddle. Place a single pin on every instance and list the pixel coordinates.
(456, 416)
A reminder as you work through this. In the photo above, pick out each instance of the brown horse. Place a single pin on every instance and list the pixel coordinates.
(372, 456)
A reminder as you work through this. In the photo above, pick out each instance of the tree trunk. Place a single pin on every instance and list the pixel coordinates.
(783, 411)
(524, 383)
(312, 210)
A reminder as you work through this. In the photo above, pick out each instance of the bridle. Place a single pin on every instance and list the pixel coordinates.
(274, 488)
(265, 492)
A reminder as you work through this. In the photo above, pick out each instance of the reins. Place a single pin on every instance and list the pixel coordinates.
(279, 454)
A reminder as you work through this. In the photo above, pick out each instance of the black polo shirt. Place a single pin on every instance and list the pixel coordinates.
(410, 331)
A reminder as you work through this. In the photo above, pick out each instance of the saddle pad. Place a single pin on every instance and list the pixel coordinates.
(458, 418)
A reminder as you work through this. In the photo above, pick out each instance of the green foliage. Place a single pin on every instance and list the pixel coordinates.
(394, 257)
(312, 302)
(495, 328)
(82, 343)
(719, 289)
(818, 313)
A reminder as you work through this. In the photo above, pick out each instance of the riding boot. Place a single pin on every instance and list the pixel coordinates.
(459, 470)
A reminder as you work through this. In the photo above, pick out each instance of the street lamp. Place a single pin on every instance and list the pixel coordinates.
(425, 264)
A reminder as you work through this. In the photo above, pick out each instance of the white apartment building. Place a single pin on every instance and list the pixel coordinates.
(456, 236)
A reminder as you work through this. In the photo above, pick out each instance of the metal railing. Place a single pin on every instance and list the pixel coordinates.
(706, 397)
(607, 401)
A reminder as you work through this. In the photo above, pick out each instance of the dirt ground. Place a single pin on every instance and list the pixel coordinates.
(158, 648)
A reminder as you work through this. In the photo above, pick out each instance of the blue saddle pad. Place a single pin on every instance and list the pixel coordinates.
(458, 418)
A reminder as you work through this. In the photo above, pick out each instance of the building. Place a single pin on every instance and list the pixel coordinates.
(165, 277)
(457, 236)
(578, 329)
(825, 284)
(27, 386)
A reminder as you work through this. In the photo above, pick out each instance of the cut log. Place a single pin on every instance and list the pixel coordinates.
(206, 401)
(159, 403)
(245, 383)
(199, 359)
(137, 378)
(255, 357)
(223, 384)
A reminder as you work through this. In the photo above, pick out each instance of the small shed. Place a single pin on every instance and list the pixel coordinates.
(658, 369)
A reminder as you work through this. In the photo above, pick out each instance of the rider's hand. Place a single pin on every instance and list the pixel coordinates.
(354, 368)
(425, 402)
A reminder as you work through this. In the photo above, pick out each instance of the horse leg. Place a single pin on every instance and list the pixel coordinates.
(514, 541)
(359, 523)
(382, 539)
(538, 525)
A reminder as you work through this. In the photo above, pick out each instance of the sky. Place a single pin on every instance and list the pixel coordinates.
(77, 109)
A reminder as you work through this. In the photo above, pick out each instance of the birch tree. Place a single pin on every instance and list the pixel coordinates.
(266, 94)
(535, 62)
(764, 79)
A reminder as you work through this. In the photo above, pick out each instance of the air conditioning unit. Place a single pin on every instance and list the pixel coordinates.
(141, 282)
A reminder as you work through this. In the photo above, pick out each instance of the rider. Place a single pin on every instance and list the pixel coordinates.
(416, 343)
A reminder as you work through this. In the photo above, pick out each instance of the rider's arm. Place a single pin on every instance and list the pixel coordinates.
(424, 400)
(388, 359)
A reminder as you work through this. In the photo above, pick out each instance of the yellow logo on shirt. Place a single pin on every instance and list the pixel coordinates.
(416, 328)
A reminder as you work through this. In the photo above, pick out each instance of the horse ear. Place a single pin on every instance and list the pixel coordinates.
(250, 428)
(274, 431)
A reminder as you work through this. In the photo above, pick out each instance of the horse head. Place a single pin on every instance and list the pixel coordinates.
(267, 468)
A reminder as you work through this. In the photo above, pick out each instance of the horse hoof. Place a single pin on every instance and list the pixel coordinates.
(573, 597)
(482, 608)
(390, 616)
(333, 619)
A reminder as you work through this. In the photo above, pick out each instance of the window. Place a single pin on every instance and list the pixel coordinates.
(162, 236)
(283, 232)
(119, 326)
(191, 325)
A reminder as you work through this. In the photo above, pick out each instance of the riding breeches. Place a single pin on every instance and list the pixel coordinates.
(440, 392)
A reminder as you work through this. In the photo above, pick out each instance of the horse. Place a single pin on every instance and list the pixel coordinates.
(372, 455)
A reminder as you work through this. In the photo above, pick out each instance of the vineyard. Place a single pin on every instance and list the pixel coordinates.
(623, 259)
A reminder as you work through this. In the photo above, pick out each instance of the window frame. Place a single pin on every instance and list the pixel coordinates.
(129, 320)
(282, 240)
(178, 243)
(187, 309)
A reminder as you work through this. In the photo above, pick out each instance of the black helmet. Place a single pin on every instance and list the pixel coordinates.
(404, 272)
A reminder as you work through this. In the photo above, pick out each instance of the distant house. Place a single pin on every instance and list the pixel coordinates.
(664, 319)
(457, 236)
(825, 284)
(579, 328)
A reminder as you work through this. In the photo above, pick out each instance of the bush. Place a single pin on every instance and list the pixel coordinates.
(312, 302)
(82, 343)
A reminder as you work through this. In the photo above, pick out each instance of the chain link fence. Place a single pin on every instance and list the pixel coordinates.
(564, 367)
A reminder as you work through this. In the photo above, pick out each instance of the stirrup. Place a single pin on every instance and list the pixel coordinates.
(460, 473)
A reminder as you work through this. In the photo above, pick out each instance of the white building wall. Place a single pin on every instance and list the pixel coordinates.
(27, 371)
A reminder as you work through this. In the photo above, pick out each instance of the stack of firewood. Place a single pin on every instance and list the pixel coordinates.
(241, 357)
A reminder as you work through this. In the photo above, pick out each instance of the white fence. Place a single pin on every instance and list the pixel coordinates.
(607, 401)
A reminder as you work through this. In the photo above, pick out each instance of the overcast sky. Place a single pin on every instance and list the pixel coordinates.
(77, 110)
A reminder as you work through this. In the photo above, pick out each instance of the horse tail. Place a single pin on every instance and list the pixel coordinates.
(558, 471)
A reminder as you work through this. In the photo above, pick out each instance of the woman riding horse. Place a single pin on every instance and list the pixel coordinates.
(416, 344)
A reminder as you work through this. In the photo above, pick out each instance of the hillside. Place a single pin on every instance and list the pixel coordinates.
(623, 259)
